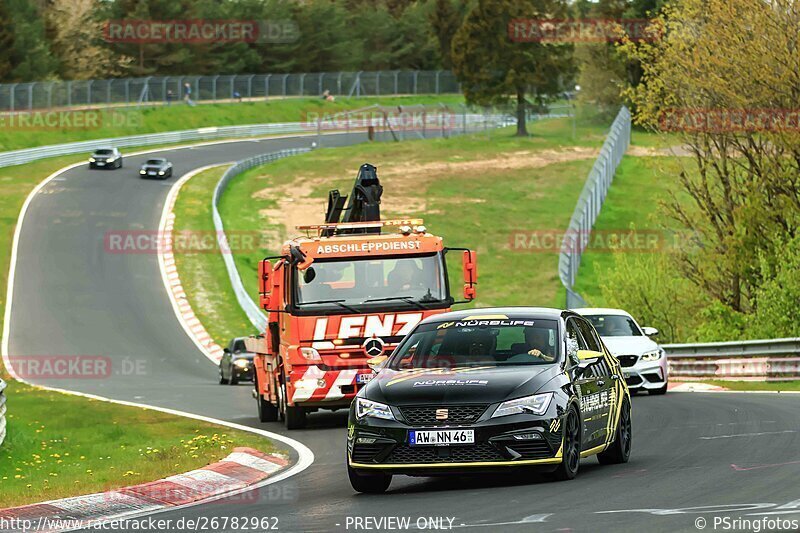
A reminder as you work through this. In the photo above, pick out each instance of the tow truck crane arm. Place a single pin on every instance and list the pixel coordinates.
(364, 203)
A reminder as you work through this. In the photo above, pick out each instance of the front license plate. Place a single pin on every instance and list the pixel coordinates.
(441, 438)
(151, 173)
(364, 378)
(100, 164)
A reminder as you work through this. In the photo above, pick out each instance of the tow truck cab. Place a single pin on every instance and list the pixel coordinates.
(346, 293)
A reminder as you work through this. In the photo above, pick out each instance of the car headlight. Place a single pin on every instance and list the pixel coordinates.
(161, 172)
(367, 408)
(111, 159)
(92, 160)
(653, 355)
(142, 172)
(534, 405)
(242, 363)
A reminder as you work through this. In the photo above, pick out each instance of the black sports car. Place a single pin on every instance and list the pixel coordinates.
(106, 158)
(236, 363)
(490, 389)
(156, 168)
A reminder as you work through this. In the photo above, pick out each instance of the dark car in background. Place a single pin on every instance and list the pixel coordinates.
(106, 158)
(236, 363)
(490, 390)
(158, 168)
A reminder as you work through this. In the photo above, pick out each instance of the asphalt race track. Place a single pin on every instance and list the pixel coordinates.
(695, 456)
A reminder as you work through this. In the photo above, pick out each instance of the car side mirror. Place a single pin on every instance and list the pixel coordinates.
(650, 332)
(589, 356)
(470, 267)
(264, 282)
(377, 363)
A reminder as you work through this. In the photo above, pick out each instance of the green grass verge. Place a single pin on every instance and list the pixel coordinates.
(639, 185)
(131, 121)
(474, 191)
(60, 445)
(757, 385)
(203, 275)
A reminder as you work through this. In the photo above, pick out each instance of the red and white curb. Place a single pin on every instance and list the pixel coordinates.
(694, 386)
(172, 281)
(241, 469)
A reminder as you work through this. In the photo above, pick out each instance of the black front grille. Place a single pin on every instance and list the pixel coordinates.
(456, 414)
(478, 453)
(531, 449)
(628, 360)
(365, 453)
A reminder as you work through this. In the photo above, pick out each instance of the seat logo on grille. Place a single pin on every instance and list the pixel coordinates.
(442, 414)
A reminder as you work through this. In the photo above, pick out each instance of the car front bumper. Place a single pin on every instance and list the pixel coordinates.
(499, 443)
(646, 375)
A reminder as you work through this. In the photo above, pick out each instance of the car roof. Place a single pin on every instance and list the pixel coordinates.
(493, 312)
(601, 311)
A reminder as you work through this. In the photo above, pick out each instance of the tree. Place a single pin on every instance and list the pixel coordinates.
(446, 18)
(493, 67)
(721, 78)
(6, 42)
(77, 41)
(31, 59)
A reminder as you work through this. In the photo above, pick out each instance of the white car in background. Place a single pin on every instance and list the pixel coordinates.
(644, 363)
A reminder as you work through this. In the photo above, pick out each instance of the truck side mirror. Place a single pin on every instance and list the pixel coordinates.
(264, 282)
(470, 264)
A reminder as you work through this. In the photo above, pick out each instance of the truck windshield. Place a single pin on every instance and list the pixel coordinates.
(411, 281)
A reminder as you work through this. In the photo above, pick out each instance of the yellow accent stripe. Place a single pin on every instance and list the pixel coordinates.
(550, 461)
(592, 451)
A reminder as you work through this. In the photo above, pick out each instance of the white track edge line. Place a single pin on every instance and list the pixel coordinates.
(305, 455)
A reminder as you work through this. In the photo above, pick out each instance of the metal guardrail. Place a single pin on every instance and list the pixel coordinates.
(2, 411)
(589, 204)
(463, 124)
(19, 157)
(251, 309)
(756, 360)
(149, 90)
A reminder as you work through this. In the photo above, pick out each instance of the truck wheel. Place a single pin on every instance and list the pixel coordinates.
(266, 411)
(293, 417)
(368, 482)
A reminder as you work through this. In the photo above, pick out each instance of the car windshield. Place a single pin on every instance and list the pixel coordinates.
(154, 161)
(412, 281)
(104, 151)
(615, 326)
(492, 342)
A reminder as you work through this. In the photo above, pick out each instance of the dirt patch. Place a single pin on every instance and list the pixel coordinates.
(648, 151)
(296, 206)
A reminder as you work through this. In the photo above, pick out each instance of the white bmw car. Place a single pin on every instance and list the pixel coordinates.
(644, 363)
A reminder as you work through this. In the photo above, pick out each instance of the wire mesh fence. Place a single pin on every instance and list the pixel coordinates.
(589, 204)
(164, 90)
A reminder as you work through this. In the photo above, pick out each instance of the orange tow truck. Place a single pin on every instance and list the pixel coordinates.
(345, 293)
